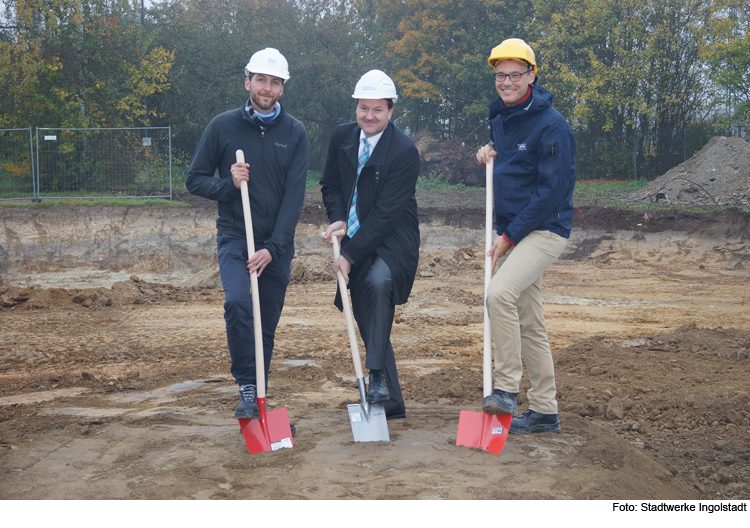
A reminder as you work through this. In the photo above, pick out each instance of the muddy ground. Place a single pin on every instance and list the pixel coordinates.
(114, 369)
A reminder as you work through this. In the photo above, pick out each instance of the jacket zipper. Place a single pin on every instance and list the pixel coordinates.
(551, 165)
(263, 172)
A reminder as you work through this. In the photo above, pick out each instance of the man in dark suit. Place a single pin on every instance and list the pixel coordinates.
(368, 187)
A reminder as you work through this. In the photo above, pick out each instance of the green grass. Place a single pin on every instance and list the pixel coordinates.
(603, 193)
(438, 182)
(615, 194)
(313, 179)
(432, 182)
(87, 202)
(598, 189)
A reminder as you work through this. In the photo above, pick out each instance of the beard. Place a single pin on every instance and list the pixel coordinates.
(260, 104)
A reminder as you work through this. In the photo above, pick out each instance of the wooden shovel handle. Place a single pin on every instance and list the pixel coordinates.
(487, 353)
(260, 370)
(353, 344)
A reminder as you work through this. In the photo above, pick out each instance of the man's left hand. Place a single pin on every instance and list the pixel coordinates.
(259, 261)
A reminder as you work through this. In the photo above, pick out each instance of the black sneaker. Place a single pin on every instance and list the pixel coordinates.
(501, 402)
(248, 406)
(534, 422)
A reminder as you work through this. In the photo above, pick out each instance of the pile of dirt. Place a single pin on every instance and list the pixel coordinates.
(319, 268)
(454, 159)
(130, 292)
(696, 422)
(718, 174)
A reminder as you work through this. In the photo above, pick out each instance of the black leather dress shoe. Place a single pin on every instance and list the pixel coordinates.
(395, 412)
(378, 390)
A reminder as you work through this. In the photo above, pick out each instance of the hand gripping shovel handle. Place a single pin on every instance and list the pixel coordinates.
(260, 370)
(487, 358)
(354, 345)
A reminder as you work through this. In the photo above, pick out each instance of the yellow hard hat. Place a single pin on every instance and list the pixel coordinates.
(514, 49)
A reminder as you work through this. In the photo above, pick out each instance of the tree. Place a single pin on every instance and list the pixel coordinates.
(438, 51)
(628, 75)
(214, 39)
(729, 60)
(76, 63)
(330, 53)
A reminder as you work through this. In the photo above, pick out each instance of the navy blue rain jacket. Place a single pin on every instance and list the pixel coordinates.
(535, 169)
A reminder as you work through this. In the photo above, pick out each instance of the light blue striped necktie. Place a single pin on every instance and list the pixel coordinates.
(353, 222)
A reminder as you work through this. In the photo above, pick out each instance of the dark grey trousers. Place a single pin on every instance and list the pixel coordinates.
(373, 308)
(238, 305)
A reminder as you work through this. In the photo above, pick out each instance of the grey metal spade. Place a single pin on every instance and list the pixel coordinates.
(367, 419)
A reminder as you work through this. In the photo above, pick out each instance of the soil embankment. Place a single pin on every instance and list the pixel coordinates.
(114, 371)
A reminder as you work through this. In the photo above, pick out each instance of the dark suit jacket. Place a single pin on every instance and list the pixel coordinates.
(386, 202)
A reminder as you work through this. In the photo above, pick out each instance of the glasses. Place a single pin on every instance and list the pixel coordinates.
(515, 76)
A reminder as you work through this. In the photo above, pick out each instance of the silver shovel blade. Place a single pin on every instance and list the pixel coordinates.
(374, 430)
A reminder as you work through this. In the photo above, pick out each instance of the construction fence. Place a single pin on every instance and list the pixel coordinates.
(74, 163)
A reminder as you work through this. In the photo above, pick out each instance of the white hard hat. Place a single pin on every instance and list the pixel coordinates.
(375, 85)
(269, 62)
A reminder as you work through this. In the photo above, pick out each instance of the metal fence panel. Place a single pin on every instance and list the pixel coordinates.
(731, 130)
(104, 162)
(16, 164)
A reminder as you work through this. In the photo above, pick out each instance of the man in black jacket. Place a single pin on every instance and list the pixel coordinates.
(275, 147)
(368, 189)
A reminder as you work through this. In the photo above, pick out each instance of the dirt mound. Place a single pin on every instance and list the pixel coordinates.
(131, 292)
(698, 426)
(455, 160)
(718, 174)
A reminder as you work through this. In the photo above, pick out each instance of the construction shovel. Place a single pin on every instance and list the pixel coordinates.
(271, 431)
(367, 419)
(481, 429)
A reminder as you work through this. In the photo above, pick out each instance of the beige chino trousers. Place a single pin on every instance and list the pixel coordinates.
(516, 312)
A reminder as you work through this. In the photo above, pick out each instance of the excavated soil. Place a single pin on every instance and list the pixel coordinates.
(718, 174)
(114, 371)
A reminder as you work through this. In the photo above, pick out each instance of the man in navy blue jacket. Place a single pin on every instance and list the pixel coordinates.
(275, 147)
(534, 177)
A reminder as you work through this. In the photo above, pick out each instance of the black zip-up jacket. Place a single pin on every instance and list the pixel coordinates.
(277, 155)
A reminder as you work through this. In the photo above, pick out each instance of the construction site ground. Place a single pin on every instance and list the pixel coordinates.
(114, 369)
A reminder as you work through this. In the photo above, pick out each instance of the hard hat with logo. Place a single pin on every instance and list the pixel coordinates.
(269, 62)
(375, 85)
(514, 49)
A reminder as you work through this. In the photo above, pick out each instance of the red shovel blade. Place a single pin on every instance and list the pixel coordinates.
(270, 432)
(488, 431)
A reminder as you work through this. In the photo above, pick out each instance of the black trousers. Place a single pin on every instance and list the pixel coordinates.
(238, 305)
(372, 305)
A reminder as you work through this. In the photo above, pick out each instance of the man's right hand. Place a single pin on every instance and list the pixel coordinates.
(333, 228)
(485, 153)
(341, 264)
(240, 172)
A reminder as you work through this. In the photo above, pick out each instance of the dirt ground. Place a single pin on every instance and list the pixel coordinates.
(122, 390)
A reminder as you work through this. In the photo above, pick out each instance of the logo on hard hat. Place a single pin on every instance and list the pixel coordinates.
(272, 61)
